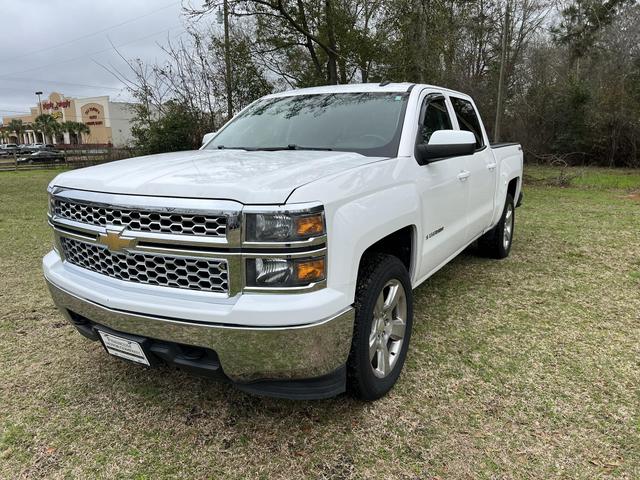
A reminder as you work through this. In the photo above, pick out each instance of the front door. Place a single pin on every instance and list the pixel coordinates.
(443, 191)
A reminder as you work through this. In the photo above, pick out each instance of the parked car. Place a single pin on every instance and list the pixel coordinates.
(283, 253)
(35, 147)
(42, 156)
(8, 149)
(32, 147)
(41, 146)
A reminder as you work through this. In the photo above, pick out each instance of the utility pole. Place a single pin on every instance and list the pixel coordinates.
(501, 86)
(227, 61)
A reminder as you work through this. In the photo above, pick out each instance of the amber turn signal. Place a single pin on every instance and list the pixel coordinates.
(310, 225)
(310, 270)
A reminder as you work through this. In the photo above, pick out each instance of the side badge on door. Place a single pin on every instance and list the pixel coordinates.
(434, 233)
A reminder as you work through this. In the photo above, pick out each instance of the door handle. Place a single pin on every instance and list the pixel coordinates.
(491, 166)
(463, 175)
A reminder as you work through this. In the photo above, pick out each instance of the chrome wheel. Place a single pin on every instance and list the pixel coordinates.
(508, 227)
(388, 328)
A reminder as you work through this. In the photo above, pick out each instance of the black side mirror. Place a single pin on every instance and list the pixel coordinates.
(426, 153)
(445, 144)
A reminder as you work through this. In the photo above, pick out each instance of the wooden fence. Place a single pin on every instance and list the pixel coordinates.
(73, 158)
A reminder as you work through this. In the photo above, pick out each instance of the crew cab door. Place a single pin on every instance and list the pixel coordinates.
(482, 168)
(443, 191)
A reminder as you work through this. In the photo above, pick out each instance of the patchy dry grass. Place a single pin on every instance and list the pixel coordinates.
(528, 367)
(586, 177)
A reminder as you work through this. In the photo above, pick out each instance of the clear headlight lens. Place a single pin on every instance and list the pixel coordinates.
(280, 272)
(50, 211)
(50, 205)
(283, 227)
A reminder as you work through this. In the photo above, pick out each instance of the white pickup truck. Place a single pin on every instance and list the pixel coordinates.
(282, 255)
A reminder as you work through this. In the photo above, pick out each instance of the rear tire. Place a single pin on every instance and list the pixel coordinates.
(382, 330)
(496, 243)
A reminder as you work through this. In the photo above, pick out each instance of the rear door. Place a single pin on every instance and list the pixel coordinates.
(443, 190)
(482, 169)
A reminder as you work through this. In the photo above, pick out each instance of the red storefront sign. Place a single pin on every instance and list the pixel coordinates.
(57, 105)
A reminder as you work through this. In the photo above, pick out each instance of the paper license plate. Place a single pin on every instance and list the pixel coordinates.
(123, 348)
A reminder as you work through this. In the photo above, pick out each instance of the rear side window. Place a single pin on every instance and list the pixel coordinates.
(468, 118)
(436, 118)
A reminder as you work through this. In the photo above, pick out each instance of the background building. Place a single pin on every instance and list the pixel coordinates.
(109, 122)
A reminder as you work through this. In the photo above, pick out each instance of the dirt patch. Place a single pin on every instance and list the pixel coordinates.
(633, 196)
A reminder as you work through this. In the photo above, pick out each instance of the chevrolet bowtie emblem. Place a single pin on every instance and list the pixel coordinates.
(114, 240)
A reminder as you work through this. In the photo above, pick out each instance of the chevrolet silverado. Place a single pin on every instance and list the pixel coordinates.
(282, 255)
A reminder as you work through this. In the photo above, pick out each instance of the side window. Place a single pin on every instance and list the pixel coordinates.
(436, 117)
(467, 118)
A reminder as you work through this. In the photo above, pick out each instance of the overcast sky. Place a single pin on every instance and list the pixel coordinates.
(53, 45)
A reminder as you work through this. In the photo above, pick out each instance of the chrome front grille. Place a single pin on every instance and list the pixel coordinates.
(204, 274)
(142, 220)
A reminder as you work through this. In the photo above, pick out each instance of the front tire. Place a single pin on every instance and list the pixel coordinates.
(382, 330)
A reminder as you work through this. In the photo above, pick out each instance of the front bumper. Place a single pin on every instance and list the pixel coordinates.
(246, 354)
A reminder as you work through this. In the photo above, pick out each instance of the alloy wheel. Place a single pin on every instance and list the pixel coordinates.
(388, 328)
(508, 227)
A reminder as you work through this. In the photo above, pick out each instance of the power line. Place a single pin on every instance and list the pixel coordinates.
(90, 54)
(60, 82)
(73, 84)
(88, 35)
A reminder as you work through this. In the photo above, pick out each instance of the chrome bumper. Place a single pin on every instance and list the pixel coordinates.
(246, 353)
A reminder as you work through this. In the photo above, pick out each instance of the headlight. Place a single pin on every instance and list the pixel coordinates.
(283, 227)
(281, 272)
(50, 208)
(50, 212)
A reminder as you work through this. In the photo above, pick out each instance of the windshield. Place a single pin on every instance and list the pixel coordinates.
(367, 123)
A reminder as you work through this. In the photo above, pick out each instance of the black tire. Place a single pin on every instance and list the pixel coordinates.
(492, 244)
(376, 272)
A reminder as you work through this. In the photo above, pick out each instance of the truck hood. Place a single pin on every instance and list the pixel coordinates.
(244, 176)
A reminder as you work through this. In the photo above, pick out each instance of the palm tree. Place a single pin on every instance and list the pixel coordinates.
(82, 128)
(4, 135)
(47, 125)
(70, 128)
(16, 125)
(75, 129)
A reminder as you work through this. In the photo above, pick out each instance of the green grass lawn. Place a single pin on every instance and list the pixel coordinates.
(586, 177)
(526, 367)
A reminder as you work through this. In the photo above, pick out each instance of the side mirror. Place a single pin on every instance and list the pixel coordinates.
(444, 144)
(207, 137)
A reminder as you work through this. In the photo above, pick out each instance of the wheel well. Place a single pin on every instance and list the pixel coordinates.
(398, 243)
(512, 187)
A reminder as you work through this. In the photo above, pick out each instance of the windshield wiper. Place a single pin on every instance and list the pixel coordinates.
(222, 147)
(291, 146)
